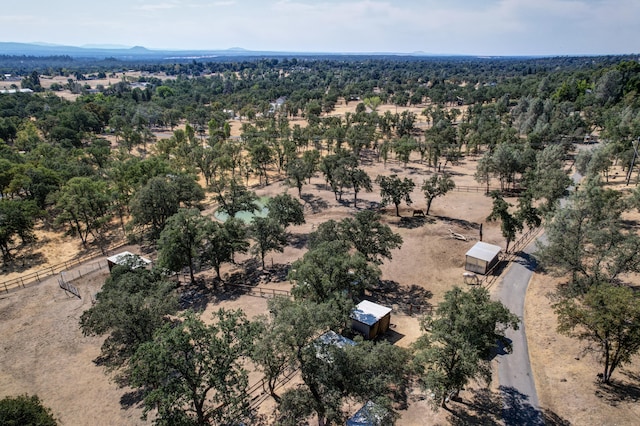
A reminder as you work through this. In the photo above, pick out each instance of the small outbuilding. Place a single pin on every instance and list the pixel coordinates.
(370, 414)
(330, 338)
(127, 258)
(370, 319)
(482, 257)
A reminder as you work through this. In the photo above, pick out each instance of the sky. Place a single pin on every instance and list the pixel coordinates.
(462, 27)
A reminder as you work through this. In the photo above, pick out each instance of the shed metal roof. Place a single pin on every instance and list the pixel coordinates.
(370, 414)
(369, 313)
(484, 251)
(121, 258)
(335, 339)
(330, 338)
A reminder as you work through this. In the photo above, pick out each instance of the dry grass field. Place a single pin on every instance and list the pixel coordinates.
(43, 351)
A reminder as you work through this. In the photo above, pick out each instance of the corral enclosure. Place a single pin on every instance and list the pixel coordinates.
(58, 365)
(60, 368)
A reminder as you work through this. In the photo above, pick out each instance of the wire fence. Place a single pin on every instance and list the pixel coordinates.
(479, 189)
(259, 291)
(42, 274)
(509, 192)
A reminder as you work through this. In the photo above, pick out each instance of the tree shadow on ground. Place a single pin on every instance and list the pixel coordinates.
(320, 187)
(517, 410)
(458, 222)
(484, 408)
(316, 204)
(414, 169)
(131, 399)
(251, 274)
(620, 391)
(507, 407)
(500, 349)
(406, 222)
(22, 261)
(195, 296)
(368, 205)
(526, 260)
(406, 299)
(297, 240)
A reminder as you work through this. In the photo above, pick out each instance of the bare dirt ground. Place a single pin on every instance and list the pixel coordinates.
(46, 81)
(565, 375)
(44, 353)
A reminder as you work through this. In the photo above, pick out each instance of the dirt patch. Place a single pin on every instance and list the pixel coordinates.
(565, 376)
(44, 352)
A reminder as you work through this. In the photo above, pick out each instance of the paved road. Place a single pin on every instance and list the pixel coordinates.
(514, 370)
(520, 400)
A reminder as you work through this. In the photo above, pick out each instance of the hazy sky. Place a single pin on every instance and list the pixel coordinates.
(478, 27)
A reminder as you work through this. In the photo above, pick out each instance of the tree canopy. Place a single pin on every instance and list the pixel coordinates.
(328, 271)
(365, 232)
(395, 190)
(436, 186)
(25, 410)
(607, 318)
(193, 373)
(131, 305)
(458, 341)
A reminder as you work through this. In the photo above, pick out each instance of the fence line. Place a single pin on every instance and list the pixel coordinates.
(70, 276)
(483, 189)
(68, 287)
(260, 291)
(522, 242)
(419, 309)
(468, 188)
(38, 276)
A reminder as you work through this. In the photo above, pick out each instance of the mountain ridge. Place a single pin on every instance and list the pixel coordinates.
(126, 52)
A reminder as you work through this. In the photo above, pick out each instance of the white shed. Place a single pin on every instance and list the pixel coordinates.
(370, 319)
(128, 258)
(482, 257)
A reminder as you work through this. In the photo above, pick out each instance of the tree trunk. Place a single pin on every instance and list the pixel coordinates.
(429, 200)
(193, 278)
(443, 403)
(398, 210)
(272, 389)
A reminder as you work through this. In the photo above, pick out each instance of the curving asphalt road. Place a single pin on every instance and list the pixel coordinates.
(518, 388)
(520, 400)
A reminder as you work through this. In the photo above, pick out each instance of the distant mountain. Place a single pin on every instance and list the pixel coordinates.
(105, 46)
(142, 53)
(95, 52)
